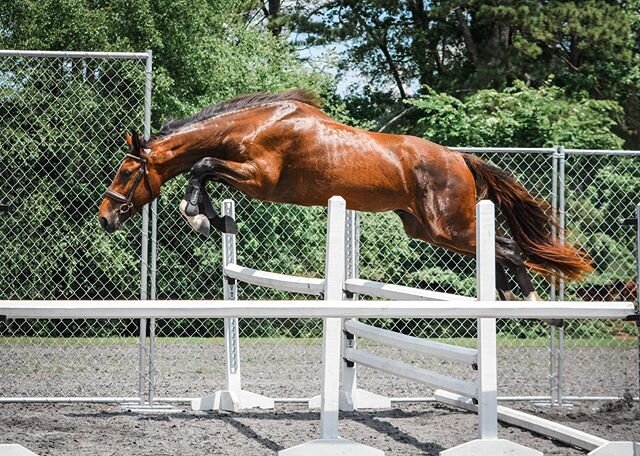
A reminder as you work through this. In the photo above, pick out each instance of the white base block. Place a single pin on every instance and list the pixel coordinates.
(498, 447)
(314, 402)
(232, 401)
(14, 449)
(362, 399)
(617, 449)
(331, 447)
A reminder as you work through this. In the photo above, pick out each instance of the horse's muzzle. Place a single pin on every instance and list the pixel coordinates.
(109, 227)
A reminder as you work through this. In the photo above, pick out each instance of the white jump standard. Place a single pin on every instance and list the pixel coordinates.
(484, 390)
(329, 442)
(233, 398)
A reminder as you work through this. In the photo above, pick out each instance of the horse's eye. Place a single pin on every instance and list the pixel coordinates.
(126, 174)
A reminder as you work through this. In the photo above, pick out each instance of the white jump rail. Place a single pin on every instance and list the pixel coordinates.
(398, 292)
(415, 374)
(312, 309)
(275, 280)
(438, 350)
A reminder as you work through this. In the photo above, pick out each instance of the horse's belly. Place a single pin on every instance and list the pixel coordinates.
(363, 190)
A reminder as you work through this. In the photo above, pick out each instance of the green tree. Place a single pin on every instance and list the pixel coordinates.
(518, 116)
(458, 47)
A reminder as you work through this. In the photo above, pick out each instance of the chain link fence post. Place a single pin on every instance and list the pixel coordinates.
(561, 212)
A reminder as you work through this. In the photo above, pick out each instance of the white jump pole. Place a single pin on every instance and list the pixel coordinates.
(329, 442)
(351, 397)
(487, 385)
(233, 398)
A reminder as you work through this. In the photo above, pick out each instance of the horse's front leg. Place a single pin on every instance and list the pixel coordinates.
(194, 195)
(224, 224)
(196, 206)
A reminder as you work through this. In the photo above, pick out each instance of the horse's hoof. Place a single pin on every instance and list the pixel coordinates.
(533, 296)
(508, 295)
(191, 210)
(188, 209)
(182, 207)
(200, 224)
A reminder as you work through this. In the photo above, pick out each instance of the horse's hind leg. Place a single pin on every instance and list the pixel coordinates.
(508, 254)
(464, 241)
(503, 284)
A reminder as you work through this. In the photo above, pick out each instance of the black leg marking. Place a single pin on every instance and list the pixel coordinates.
(502, 283)
(193, 197)
(508, 253)
(224, 224)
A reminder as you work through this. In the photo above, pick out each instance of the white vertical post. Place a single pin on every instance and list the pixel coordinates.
(233, 398)
(331, 353)
(351, 397)
(349, 373)
(487, 383)
(230, 289)
(486, 291)
(142, 349)
(329, 443)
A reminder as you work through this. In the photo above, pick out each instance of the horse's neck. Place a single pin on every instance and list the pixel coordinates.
(178, 153)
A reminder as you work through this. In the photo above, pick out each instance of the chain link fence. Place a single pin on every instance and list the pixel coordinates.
(61, 123)
(62, 120)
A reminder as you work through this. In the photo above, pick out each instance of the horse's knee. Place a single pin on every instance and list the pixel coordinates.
(204, 167)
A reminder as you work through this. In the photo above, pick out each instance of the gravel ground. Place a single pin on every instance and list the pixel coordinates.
(409, 429)
(291, 369)
(281, 368)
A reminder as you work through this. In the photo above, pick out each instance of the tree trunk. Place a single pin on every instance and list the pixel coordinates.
(392, 67)
(463, 27)
(273, 14)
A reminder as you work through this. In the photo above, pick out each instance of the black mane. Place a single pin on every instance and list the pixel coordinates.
(244, 101)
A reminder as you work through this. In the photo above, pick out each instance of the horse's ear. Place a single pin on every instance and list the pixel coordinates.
(133, 140)
(128, 139)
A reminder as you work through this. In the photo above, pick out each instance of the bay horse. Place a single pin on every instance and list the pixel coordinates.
(281, 147)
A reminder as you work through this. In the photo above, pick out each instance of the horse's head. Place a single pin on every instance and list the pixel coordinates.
(134, 185)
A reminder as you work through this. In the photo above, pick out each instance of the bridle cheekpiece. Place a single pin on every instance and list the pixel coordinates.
(126, 201)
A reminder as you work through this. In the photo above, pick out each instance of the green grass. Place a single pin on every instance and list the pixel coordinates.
(502, 342)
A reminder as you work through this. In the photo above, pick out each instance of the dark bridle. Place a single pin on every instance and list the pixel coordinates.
(126, 200)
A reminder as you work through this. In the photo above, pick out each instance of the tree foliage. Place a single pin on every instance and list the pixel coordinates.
(456, 47)
(204, 51)
(518, 116)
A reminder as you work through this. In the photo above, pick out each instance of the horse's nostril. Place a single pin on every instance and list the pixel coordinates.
(104, 223)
